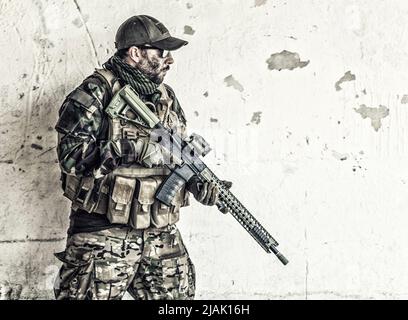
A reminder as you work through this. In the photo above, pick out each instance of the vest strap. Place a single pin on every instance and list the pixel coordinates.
(110, 80)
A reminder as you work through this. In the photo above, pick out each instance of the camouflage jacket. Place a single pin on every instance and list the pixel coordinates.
(84, 148)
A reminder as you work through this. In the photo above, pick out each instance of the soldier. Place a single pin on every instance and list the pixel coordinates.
(120, 238)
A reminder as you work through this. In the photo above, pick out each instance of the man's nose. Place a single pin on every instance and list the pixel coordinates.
(169, 58)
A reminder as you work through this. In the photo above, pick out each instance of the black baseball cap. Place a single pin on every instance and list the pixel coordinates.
(146, 30)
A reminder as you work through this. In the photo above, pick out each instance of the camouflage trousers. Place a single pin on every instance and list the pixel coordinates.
(151, 264)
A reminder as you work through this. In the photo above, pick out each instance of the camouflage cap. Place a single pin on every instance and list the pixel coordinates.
(145, 30)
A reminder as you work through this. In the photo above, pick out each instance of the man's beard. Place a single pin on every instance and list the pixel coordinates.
(151, 69)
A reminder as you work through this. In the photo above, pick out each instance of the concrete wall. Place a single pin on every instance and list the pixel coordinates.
(304, 102)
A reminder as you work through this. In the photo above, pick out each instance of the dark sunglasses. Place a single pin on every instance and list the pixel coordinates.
(162, 53)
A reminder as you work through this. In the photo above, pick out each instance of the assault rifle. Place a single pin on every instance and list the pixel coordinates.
(184, 162)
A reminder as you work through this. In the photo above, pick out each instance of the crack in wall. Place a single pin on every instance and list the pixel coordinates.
(46, 151)
(91, 41)
(32, 240)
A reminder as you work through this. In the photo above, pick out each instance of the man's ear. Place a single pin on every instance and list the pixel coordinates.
(134, 54)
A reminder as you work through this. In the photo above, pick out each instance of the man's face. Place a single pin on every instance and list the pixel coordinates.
(154, 63)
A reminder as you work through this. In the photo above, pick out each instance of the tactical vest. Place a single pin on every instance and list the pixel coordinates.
(127, 195)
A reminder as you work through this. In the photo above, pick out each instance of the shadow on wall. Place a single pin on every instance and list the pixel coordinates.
(35, 207)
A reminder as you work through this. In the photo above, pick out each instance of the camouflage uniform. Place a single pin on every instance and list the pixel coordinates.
(150, 263)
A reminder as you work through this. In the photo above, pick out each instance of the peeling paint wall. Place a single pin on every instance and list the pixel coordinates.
(329, 184)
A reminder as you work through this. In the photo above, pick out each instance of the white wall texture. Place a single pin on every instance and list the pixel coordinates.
(329, 186)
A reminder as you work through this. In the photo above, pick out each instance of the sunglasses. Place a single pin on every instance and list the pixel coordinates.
(162, 53)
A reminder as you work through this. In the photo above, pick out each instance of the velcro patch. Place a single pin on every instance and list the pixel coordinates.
(83, 98)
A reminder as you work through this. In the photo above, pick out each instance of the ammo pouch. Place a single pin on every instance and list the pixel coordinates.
(81, 191)
(147, 211)
(125, 198)
(142, 205)
(121, 199)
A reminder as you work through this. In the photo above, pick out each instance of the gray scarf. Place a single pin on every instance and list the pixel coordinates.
(133, 76)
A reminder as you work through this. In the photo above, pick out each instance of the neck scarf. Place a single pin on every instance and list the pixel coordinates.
(133, 77)
(140, 83)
